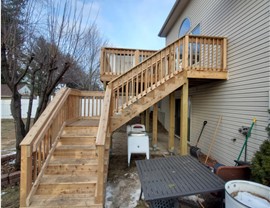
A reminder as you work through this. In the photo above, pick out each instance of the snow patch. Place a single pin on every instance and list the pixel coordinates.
(194, 198)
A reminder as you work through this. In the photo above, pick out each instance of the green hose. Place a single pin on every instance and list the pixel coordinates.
(247, 136)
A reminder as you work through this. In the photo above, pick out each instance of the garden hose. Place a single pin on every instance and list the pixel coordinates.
(246, 140)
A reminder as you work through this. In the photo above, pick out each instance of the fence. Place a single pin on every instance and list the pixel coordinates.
(6, 111)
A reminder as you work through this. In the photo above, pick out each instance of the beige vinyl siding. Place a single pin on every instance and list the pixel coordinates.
(246, 94)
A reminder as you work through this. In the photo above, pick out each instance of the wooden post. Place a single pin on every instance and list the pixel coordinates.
(99, 197)
(147, 112)
(143, 117)
(102, 57)
(137, 57)
(185, 55)
(184, 119)
(172, 123)
(224, 54)
(26, 174)
(155, 122)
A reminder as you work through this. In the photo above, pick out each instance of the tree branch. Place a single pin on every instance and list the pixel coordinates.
(5, 66)
(26, 69)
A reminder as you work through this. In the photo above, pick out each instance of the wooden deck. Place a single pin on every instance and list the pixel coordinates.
(65, 154)
(203, 57)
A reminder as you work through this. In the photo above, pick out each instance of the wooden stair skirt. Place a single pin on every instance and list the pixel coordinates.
(70, 178)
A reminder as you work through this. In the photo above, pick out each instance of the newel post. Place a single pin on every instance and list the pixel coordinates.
(26, 174)
(185, 55)
(224, 52)
(99, 198)
(102, 56)
(137, 57)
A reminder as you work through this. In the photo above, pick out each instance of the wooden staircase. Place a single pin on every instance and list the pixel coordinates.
(71, 175)
(148, 99)
(65, 155)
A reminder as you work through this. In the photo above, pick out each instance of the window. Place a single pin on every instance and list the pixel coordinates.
(196, 30)
(184, 28)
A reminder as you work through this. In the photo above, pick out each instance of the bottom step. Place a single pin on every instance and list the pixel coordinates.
(71, 200)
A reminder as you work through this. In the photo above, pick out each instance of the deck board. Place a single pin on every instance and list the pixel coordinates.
(85, 122)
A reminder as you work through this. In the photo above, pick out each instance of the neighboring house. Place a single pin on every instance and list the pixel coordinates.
(6, 92)
(6, 95)
(24, 91)
(245, 95)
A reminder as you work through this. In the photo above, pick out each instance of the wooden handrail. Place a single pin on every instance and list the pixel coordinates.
(39, 143)
(104, 118)
(36, 145)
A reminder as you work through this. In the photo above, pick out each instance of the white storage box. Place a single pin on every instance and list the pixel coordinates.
(138, 140)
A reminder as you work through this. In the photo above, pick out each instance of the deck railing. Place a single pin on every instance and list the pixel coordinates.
(89, 102)
(199, 53)
(116, 61)
(40, 142)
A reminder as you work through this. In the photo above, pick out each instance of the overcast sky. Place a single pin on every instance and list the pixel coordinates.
(131, 23)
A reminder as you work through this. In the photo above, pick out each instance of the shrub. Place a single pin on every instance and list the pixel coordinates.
(260, 165)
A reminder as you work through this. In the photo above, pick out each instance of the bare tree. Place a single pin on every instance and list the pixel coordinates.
(40, 52)
(89, 77)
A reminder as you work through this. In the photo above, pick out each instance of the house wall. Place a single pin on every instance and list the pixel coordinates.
(246, 94)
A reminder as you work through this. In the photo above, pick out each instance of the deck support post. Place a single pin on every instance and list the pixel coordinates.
(147, 119)
(155, 122)
(143, 118)
(172, 123)
(184, 119)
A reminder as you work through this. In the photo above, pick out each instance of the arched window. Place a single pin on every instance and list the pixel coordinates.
(184, 28)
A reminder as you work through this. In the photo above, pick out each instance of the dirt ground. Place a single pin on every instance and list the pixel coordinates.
(123, 184)
(8, 141)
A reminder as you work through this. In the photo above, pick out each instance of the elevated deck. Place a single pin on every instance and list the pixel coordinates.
(72, 136)
(203, 57)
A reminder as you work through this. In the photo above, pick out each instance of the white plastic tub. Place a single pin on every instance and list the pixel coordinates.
(240, 193)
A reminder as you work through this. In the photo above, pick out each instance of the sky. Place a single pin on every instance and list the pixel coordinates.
(131, 23)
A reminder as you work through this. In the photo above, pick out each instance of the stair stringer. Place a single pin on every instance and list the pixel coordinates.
(149, 99)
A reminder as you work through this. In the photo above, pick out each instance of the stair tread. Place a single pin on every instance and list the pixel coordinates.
(71, 146)
(75, 134)
(64, 136)
(69, 200)
(67, 179)
(73, 161)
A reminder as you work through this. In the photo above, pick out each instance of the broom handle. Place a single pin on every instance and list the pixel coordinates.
(212, 141)
(204, 123)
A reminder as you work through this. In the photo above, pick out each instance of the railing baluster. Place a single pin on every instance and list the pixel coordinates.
(132, 86)
(137, 83)
(201, 54)
(212, 66)
(141, 80)
(196, 52)
(126, 92)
